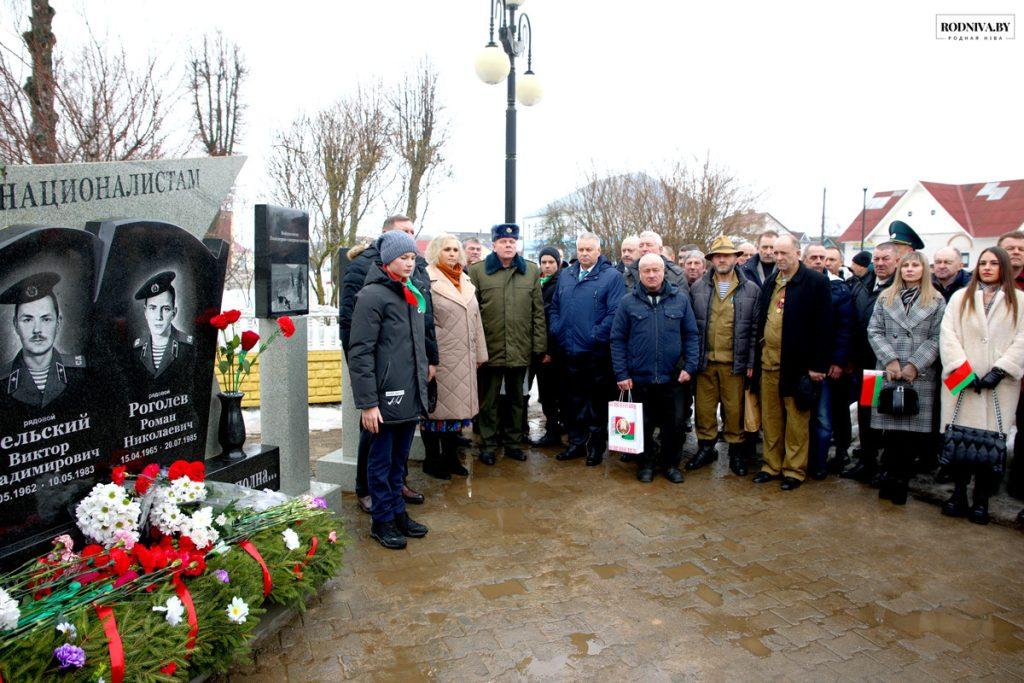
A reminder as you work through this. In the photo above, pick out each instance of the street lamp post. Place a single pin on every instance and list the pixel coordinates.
(863, 217)
(495, 64)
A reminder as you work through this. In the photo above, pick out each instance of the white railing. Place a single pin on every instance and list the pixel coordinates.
(323, 334)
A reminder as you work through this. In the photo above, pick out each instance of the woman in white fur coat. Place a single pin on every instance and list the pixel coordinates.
(983, 328)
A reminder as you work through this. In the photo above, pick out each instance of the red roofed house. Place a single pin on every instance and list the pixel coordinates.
(969, 217)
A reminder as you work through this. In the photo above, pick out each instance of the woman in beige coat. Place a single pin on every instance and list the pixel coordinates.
(461, 348)
(982, 332)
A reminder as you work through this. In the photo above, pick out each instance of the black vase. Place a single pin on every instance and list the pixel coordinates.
(231, 432)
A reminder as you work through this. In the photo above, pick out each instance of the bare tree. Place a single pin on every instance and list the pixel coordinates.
(216, 72)
(418, 134)
(240, 274)
(368, 124)
(102, 109)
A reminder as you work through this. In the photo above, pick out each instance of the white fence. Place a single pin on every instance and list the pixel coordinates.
(323, 329)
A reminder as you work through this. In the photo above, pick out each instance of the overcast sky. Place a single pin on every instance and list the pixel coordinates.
(792, 97)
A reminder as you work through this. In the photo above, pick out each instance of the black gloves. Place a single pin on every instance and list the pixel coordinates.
(990, 380)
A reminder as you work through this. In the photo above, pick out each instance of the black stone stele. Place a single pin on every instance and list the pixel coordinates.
(281, 252)
(51, 450)
(259, 468)
(158, 288)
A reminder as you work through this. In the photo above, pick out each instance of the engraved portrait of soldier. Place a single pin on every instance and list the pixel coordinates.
(164, 351)
(39, 373)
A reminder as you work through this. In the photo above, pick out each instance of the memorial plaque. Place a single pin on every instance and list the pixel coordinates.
(51, 450)
(158, 288)
(259, 469)
(281, 252)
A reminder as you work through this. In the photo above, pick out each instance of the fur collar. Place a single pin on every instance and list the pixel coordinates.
(492, 264)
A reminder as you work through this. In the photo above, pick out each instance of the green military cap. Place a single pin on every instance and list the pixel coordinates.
(30, 289)
(901, 233)
(157, 284)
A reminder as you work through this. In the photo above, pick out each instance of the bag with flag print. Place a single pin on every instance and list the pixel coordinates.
(626, 425)
(971, 446)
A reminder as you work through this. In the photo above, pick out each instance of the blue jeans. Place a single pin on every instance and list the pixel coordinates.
(385, 469)
(821, 428)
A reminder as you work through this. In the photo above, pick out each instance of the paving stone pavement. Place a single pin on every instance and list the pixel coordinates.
(548, 571)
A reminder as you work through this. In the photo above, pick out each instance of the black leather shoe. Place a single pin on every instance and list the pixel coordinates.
(898, 493)
(412, 497)
(979, 514)
(704, 456)
(674, 475)
(818, 475)
(515, 454)
(387, 534)
(572, 452)
(487, 457)
(436, 470)
(595, 454)
(456, 467)
(860, 471)
(549, 440)
(645, 474)
(736, 461)
(407, 526)
(837, 463)
(763, 478)
(790, 483)
(878, 479)
(957, 506)
(626, 457)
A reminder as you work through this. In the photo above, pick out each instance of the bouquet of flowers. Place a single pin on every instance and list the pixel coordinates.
(235, 356)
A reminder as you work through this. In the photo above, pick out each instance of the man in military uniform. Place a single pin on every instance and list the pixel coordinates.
(905, 239)
(39, 373)
(165, 347)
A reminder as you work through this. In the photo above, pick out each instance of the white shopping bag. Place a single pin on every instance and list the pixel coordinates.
(626, 426)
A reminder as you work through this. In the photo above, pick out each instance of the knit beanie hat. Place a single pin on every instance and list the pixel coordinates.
(552, 252)
(862, 259)
(393, 244)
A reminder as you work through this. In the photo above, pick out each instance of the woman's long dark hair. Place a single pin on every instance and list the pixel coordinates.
(1005, 282)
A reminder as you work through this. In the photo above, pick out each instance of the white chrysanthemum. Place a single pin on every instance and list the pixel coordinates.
(106, 511)
(9, 612)
(221, 520)
(237, 610)
(173, 610)
(68, 629)
(291, 539)
(185, 491)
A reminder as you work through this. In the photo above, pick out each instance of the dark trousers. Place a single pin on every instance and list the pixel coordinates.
(385, 469)
(840, 399)
(363, 452)
(490, 388)
(588, 387)
(551, 390)
(663, 409)
(901, 449)
(1015, 477)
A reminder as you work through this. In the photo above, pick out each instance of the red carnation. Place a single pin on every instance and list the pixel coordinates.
(285, 324)
(249, 339)
(177, 470)
(196, 471)
(219, 321)
(146, 478)
(121, 561)
(232, 316)
(169, 668)
(117, 476)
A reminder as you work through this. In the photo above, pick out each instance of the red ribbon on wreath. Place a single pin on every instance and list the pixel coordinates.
(190, 609)
(300, 566)
(268, 583)
(106, 616)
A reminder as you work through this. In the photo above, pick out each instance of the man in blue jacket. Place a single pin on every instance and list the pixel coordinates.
(655, 346)
(835, 392)
(582, 310)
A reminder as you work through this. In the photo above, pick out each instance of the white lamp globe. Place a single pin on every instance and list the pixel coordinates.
(515, 3)
(492, 65)
(529, 90)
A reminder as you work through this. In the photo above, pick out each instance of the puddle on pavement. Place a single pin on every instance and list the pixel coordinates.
(709, 596)
(436, 617)
(509, 520)
(754, 646)
(608, 571)
(753, 571)
(584, 644)
(959, 629)
(497, 590)
(537, 669)
(686, 570)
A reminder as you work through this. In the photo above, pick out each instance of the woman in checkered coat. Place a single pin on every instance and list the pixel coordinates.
(904, 334)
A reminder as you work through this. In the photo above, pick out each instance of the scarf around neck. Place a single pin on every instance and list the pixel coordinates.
(909, 296)
(413, 296)
(454, 275)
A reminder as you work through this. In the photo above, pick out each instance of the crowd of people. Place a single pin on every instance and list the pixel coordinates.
(765, 342)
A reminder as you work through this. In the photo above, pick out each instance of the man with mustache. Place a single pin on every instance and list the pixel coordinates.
(39, 373)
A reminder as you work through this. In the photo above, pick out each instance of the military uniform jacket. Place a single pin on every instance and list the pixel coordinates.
(18, 388)
(743, 301)
(177, 356)
(511, 309)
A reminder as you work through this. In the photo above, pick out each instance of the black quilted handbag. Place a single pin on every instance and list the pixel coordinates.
(969, 446)
(898, 400)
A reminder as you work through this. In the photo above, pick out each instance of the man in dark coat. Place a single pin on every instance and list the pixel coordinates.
(948, 272)
(793, 359)
(759, 267)
(582, 311)
(725, 304)
(884, 261)
(361, 261)
(835, 389)
(650, 243)
(654, 348)
(629, 252)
